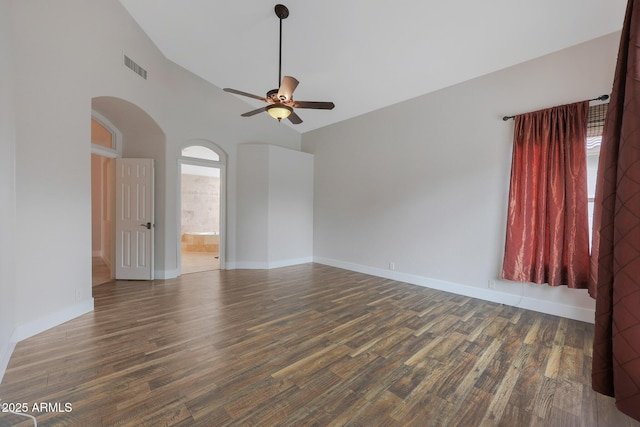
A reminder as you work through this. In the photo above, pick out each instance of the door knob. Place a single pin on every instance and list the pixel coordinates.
(148, 225)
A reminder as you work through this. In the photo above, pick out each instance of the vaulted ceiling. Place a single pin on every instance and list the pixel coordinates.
(364, 54)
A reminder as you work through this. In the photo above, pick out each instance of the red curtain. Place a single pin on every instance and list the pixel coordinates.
(615, 276)
(547, 224)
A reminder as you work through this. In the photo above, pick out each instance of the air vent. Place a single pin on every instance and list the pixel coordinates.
(135, 67)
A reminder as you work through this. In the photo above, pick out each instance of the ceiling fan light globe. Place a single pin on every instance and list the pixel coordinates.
(279, 111)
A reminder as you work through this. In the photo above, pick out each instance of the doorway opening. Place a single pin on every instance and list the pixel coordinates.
(102, 196)
(103, 142)
(201, 209)
(120, 120)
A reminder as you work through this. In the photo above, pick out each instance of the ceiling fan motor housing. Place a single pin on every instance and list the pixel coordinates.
(273, 95)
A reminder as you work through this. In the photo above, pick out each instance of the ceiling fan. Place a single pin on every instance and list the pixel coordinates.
(281, 103)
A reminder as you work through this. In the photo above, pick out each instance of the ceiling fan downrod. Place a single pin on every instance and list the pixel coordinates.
(282, 13)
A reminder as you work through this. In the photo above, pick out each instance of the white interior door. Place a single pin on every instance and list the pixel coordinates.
(134, 219)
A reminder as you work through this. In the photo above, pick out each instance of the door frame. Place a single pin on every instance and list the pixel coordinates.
(222, 166)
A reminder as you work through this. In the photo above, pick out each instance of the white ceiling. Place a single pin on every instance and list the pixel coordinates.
(364, 54)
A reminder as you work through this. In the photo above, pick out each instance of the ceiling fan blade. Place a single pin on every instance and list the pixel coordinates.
(294, 118)
(254, 112)
(313, 104)
(287, 87)
(239, 92)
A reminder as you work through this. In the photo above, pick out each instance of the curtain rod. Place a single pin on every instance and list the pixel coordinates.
(600, 98)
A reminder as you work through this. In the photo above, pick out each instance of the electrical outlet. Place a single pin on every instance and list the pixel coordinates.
(78, 294)
(392, 265)
(491, 284)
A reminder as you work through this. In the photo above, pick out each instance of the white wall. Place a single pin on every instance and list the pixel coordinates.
(290, 206)
(71, 51)
(253, 205)
(275, 206)
(424, 183)
(8, 313)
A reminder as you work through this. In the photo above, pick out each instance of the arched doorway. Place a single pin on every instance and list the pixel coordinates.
(202, 207)
(134, 134)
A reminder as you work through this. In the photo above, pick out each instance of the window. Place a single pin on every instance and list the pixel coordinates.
(101, 136)
(200, 152)
(106, 140)
(597, 114)
(547, 239)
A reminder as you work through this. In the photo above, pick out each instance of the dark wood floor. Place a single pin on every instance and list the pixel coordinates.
(305, 345)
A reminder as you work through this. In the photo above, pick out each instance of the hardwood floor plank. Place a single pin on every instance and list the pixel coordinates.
(312, 363)
(259, 392)
(305, 345)
(505, 389)
(424, 351)
(377, 409)
(514, 416)
(473, 409)
(571, 364)
(608, 415)
(465, 385)
(561, 418)
(553, 363)
(459, 366)
(569, 397)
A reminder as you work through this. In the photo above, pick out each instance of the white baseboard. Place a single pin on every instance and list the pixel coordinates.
(36, 326)
(241, 265)
(5, 355)
(290, 262)
(247, 265)
(571, 312)
(165, 274)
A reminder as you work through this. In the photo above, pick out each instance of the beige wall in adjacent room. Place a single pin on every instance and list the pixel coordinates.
(200, 203)
(96, 205)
